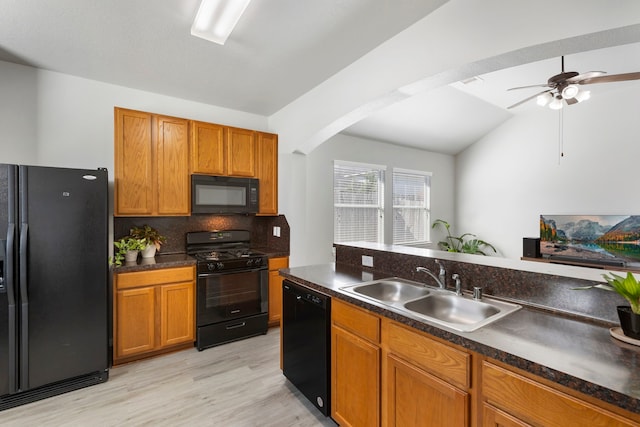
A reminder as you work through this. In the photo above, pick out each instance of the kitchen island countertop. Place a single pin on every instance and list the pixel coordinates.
(575, 354)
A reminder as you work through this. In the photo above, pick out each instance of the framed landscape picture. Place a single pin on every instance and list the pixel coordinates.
(605, 239)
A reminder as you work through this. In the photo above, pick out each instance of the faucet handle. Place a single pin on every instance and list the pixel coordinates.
(456, 278)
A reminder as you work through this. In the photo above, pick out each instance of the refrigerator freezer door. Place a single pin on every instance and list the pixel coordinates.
(8, 320)
(64, 217)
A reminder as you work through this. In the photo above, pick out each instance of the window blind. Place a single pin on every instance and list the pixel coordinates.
(358, 199)
(411, 206)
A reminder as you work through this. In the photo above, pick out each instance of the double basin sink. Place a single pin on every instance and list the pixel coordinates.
(459, 312)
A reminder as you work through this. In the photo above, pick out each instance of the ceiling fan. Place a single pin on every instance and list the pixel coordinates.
(565, 87)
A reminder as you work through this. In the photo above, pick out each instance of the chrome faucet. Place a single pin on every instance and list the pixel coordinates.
(438, 281)
(442, 274)
(458, 284)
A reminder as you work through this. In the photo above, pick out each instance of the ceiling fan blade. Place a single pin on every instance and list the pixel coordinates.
(585, 76)
(528, 87)
(528, 99)
(611, 78)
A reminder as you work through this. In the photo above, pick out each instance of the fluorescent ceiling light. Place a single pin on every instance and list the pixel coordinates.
(216, 19)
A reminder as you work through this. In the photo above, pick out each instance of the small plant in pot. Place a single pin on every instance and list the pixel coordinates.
(151, 236)
(629, 288)
(127, 249)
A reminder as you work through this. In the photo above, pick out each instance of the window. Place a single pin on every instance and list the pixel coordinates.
(411, 194)
(358, 200)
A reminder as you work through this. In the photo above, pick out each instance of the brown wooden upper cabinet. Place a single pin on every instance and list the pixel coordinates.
(241, 152)
(267, 173)
(208, 149)
(151, 164)
(155, 156)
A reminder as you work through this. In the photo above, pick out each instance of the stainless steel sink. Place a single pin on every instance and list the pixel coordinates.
(392, 290)
(435, 305)
(453, 309)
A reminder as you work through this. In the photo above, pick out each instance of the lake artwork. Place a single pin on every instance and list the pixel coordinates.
(598, 239)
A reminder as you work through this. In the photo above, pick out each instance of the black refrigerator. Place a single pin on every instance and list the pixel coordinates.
(54, 291)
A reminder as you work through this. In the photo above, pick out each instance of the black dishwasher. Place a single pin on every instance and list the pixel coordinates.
(306, 342)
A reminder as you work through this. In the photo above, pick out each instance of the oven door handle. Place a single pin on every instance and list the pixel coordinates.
(237, 325)
(224, 273)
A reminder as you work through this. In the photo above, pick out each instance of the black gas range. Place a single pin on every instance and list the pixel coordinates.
(232, 287)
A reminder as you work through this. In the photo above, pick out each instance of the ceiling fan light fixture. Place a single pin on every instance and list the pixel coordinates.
(583, 95)
(570, 91)
(543, 99)
(556, 104)
(217, 18)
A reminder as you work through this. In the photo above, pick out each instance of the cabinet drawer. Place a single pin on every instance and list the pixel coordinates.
(278, 263)
(154, 277)
(356, 320)
(539, 404)
(439, 359)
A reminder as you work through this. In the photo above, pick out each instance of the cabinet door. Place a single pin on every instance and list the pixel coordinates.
(417, 398)
(176, 313)
(133, 188)
(267, 173)
(241, 152)
(493, 417)
(355, 383)
(275, 298)
(207, 148)
(135, 321)
(174, 188)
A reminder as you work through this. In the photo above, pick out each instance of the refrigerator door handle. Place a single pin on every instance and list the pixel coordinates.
(24, 309)
(9, 282)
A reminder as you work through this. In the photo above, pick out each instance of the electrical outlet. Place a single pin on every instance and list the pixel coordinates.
(367, 261)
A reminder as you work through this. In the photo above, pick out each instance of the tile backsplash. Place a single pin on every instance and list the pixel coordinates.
(175, 229)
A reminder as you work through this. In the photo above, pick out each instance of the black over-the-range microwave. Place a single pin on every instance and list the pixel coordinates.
(223, 195)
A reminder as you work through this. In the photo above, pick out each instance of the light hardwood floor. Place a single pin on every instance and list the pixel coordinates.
(236, 384)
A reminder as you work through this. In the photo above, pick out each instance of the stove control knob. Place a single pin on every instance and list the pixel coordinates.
(211, 266)
(249, 262)
(257, 261)
(220, 265)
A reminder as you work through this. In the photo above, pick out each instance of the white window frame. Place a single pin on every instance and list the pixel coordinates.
(423, 211)
(378, 204)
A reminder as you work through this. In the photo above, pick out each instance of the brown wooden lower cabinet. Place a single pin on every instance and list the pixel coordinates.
(355, 366)
(494, 417)
(387, 373)
(154, 312)
(530, 402)
(275, 289)
(417, 398)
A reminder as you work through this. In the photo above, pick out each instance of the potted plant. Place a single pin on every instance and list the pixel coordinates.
(459, 244)
(153, 239)
(127, 250)
(629, 288)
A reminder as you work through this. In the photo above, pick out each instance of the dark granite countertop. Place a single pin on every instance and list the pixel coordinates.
(176, 260)
(578, 355)
(157, 262)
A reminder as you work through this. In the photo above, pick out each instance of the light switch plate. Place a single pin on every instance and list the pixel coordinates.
(367, 261)
(276, 231)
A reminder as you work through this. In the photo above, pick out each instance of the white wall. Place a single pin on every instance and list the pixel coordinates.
(312, 241)
(18, 111)
(60, 120)
(505, 181)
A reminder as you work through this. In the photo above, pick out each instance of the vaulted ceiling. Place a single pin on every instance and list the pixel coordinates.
(280, 50)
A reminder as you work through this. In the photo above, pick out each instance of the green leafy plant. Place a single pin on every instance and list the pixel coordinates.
(124, 245)
(149, 234)
(459, 244)
(628, 287)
